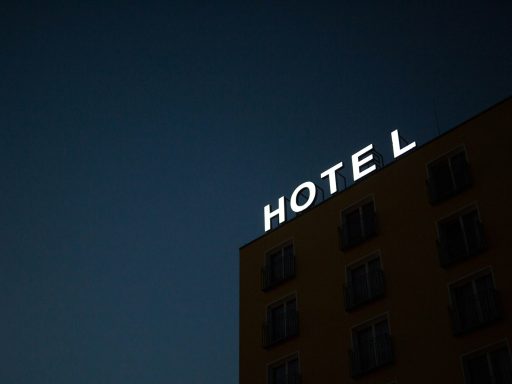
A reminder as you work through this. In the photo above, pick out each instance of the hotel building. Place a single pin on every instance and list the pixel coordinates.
(403, 277)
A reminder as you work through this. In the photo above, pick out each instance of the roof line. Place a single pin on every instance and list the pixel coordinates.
(478, 115)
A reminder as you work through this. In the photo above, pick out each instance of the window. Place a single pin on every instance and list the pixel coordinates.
(448, 176)
(358, 224)
(285, 371)
(279, 267)
(460, 237)
(490, 366)
(365, 282)
(282, 321)
(474, 302)
(371, 347)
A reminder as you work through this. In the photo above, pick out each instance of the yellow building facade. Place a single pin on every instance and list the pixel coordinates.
(404, 277)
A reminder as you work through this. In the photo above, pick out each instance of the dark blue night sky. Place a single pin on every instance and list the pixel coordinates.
(139, 142)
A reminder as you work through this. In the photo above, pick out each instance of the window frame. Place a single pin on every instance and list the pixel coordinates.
(471, 278)
(458, 216)
(484, 350)
(366, 233)
(363, 326)
(267, 332)
(438, 197)
(283, 361)
(268, 282)
(374, 292)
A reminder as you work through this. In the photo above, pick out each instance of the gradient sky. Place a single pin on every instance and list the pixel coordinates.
(139, 142)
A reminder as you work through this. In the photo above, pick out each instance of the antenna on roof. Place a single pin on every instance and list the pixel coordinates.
(436, 117)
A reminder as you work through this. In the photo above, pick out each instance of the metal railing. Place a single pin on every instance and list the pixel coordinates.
(294, 378)
(498, 376)
(289, 378)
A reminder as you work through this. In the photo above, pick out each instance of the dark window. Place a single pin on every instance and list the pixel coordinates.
(492, 366)
(371, 347)
(460, 237)
(280, 266)
(285, 372)
(448, 176)
(365, 282)
(474, 303)
(358, 224)
(282, 322)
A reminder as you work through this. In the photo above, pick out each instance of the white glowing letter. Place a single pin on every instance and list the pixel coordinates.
(395, 139)
(331, 172)
(312, 195)
(280, 212)
(356, 163)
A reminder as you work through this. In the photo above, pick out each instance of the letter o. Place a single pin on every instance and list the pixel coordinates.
(312, 195)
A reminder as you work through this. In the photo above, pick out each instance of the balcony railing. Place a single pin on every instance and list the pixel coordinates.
(502, 377)
(371, 354)
(479, 374)
(290, 377)
(280, 329)
(451, 251)
(272, 275)
(293, 378)
(365, 289)
(475, 310)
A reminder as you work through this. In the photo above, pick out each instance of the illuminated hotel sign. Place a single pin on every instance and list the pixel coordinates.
(363, 163)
